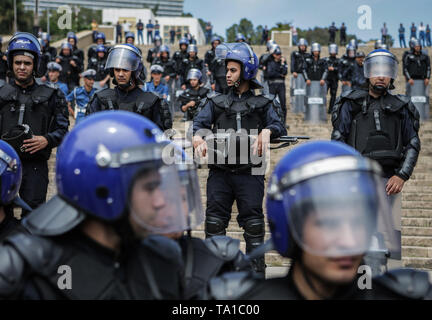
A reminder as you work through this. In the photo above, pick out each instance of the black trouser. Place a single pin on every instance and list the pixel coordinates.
(332, 85)
(224, 187)
(279, 89)
(34, 184)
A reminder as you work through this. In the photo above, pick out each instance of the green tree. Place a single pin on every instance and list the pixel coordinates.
(245, 27)
(24, 18)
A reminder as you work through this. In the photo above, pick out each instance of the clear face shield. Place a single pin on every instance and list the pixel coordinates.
(155, 202)
(380, 66)
(123, 57)
(340, 214)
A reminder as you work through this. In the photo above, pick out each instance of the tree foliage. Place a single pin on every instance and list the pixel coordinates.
(24, 18)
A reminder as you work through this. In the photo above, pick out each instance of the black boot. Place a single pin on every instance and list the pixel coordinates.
(254, 237)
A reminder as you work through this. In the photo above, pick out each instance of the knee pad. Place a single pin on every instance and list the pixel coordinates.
(254, 228)
(214, 227)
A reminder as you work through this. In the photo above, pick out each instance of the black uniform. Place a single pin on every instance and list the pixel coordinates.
(3, 66)
(188, 64)
(79, 53)
(345, 63)
(343, 35)
(47, 115)
(92, 53)
(275, 74)
(69, 73)
(48, 54)
(228, 182)
(204, 260)
(152, 54)
(142, 270)
(384, 129)
(178, 58)
(315, 69)
(168, 65)
(218, 69)
(355, 73)
(193, 95)
(98, 65)
(298, 61)
(332, 32)
(136, 100)
(332, 78)
(400, 284)
(10, 225)
(417, 66)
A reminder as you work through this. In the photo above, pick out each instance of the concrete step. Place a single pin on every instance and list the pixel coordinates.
(417, 213)
(417, 241)
(416, 204)
(417, 222)
(417, 263)
(417, 197)
(416, 231)
(419, 252)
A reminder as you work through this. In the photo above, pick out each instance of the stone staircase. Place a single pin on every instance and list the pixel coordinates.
(417, 194)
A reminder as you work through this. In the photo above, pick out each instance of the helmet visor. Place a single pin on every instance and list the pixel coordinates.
(339, 214)
(380, 66)
(122, 57)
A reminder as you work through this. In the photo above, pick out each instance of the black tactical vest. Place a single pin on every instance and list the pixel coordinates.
(376, 130)
(35, 111)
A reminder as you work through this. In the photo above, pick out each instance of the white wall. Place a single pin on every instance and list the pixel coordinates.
(193, 23)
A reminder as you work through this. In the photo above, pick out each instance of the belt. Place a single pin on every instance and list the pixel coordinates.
(276, 81)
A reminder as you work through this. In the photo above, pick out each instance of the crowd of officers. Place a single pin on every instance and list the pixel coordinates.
(128, 197)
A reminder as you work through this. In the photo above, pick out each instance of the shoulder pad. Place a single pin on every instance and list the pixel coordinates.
(213, 94)
(259, 101)
(43, 93)
(219, 100)
(11, 270)
(153, 97)
(409, 283)
(223, 247)
(105, 93)
(163, 247)
(355, 94)
(42, 255)
(8, 92)
(53, 218)
(232, 285)
(412, 110)
(269, 96)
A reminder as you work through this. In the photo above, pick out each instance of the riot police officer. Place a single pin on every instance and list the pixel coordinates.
(275, 73)
(124, 64)
(347, 61)
(100, 40)
(102, 79)
(192, 62)
(240, 37)
(417, 65)
(169, 74)
(153, 53)
(192, 97)
(34, 118)
(263, 63)
(49, 54)
(381, 126)
(326, 207)
(130, 38)
(10, 174)
(235, 175)
(315, 68)
(114, 193)
(298, 58)
(355, 73)
(333, 65)
(181, 54)
(71, 66)
(216, 68)
(73, 40)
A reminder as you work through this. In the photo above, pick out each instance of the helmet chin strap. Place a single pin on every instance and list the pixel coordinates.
(127, 85)
(379, 89)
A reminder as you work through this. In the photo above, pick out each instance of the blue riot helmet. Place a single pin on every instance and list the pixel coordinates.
(302, 42)
(350, 51)
(242, 53)
(240, 37)
(127, 57)
(328, 200)
(275, 49)
(100, 35)
(192, 48)
(270, 44)
(10, 174)
(315, 47)
(157, 41)
(165, 48)
(66, 45)
(184, 40)
(216, 38)
(23, 43)
(415, 43)
(106, 163)
(333, 49)
(194, 74)
(100, 48)
(72, 35)
(130, 35)
(381, 63)
(378, 44)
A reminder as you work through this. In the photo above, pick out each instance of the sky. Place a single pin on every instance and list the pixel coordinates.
(310, 13)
